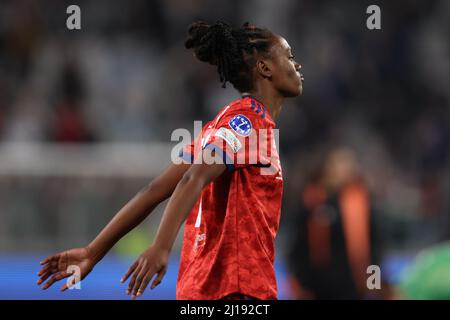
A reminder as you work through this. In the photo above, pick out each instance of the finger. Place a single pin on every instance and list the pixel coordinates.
(47, 270)
(48, 259)
(69, 284)
(130, 270)
(159, 278)
(55, 278)
(141, 277)
(44, 270)
(144, 283)
(65, 287)
(133, 278)
(52, 265)
(44, 277)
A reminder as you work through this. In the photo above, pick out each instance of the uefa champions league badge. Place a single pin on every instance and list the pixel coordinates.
(241, 125)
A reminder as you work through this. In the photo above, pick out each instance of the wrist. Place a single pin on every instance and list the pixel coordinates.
(93, 253)
(162, 247)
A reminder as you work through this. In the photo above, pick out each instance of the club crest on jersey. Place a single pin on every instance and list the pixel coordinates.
(241, 125)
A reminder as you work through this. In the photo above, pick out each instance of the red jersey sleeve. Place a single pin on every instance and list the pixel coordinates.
(189, 151)
(239, 137)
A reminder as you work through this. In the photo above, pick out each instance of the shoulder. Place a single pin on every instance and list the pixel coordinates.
(243, 114)
(249, 107)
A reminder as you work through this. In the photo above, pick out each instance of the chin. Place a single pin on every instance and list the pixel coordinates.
(298, 90)
(296, 93)
(293, 92)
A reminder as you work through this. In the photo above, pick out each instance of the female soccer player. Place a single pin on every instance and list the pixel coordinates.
(231, 206)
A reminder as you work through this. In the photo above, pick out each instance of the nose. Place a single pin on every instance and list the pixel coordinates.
(297, 66)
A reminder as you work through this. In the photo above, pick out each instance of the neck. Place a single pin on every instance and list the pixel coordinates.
(272, 102)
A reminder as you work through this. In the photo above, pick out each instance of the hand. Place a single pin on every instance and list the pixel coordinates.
(57, 265)
(151, 262)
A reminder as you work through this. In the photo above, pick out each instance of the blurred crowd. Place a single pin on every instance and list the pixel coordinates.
(375, 109)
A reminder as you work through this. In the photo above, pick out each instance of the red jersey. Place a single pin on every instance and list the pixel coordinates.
(229, 236)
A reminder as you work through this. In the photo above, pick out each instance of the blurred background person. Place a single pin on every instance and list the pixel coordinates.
(334, 236)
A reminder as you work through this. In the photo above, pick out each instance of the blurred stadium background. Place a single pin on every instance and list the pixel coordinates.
(86, 118)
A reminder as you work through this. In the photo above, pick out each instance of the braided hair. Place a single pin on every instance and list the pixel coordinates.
(233, 51)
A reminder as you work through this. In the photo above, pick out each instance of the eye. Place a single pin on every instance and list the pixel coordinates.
(292, 57)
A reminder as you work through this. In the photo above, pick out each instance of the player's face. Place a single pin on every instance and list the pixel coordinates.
(286, 75)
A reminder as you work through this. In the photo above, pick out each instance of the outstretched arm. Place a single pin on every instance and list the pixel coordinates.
(155, 259)
(136, 210)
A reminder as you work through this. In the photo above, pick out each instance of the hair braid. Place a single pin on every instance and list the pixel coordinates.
(231, 50)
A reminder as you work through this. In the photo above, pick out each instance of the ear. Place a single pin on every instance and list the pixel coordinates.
(263, 68)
